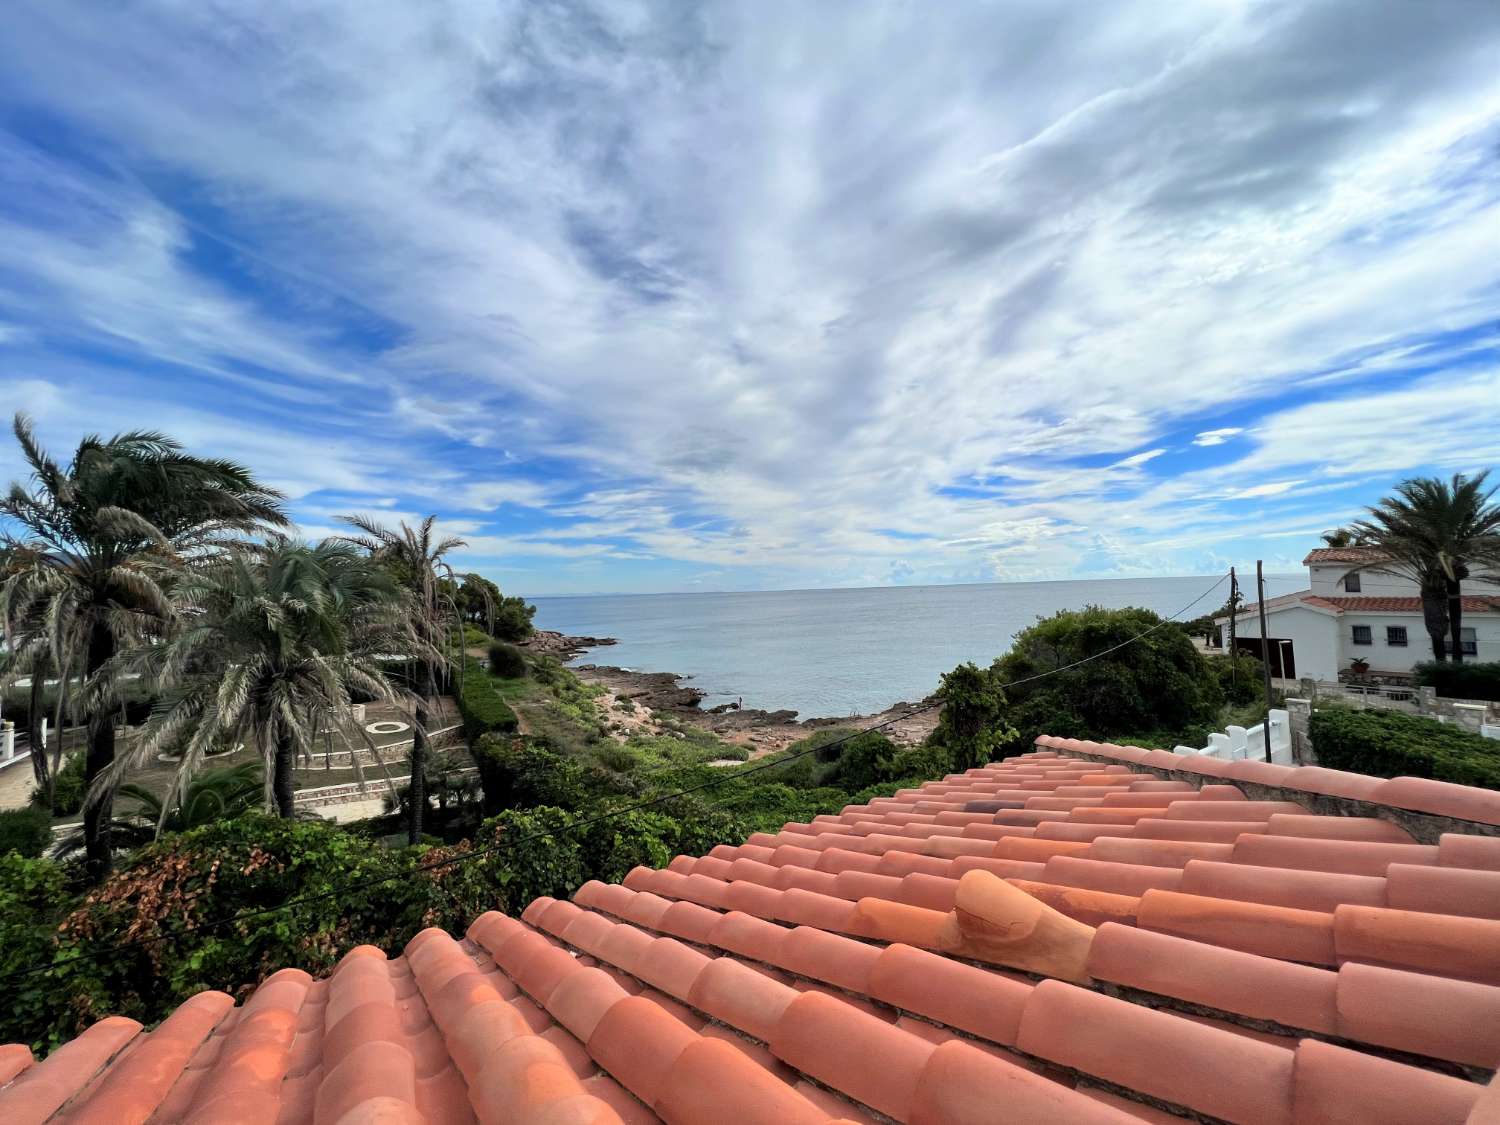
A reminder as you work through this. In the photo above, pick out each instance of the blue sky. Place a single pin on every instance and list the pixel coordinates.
(661, 296)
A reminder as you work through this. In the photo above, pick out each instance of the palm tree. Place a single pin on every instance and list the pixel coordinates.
(275, 637)
(1434, 531)
(216, 794)
(1340, 537)
(99, 541)
(415, 556)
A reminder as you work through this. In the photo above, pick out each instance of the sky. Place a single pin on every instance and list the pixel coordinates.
(653, 296)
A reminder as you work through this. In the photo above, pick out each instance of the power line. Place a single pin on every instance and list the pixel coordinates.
(586, 822)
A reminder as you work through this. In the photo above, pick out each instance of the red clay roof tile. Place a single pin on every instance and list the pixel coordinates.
(1334, 1084)
(1279, 886)
(863, 1057)
(1261, 988)
(1464, 948)
(1252, 927)
(1443, 890)
(1426, 1015)
(1127, 1044)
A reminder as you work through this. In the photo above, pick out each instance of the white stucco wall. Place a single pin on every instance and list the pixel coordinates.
(1326, 582)
(1314, 637)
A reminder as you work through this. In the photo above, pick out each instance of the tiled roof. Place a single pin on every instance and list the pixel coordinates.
(1471, 604)
(1344, 554)
(1089, 933)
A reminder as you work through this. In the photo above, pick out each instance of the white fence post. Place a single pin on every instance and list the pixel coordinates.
(8, 740)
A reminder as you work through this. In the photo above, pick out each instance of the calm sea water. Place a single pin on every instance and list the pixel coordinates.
(844, 652)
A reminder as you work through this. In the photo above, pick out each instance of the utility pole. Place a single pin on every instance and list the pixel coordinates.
(1234, 608)
(1265, 652)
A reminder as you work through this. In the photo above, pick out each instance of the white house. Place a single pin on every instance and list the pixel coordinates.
(1348, 613)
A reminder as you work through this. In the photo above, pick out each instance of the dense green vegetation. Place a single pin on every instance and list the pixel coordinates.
(1461, 681)
(1390, 744)
(27, 830)
(1154, 681)
(506, 661)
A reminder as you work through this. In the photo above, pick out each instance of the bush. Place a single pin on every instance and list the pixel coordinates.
(513, 619)
(1239, 676)
(519, 773)
(1157, 682)
(972, 725)
(132, 956)
(480, 705)
(28, 831)
(475, 637)
(506, 661)
(1390, 744)
(1461, 681)
(68, 788)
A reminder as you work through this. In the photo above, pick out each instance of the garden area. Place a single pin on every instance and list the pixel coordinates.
(552, 808)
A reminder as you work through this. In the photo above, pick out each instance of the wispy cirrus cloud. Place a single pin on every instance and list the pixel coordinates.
(781, 294)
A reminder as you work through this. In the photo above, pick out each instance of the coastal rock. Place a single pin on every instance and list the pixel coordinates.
(551, 643)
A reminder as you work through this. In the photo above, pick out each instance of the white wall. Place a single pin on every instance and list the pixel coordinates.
(1386, 658)
(1314, 637)
(1325, 582)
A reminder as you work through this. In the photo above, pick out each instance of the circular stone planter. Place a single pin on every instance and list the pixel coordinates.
(387, 726)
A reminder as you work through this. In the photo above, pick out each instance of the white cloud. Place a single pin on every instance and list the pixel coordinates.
(1140, 458)
(656, 273)
(1217, 437)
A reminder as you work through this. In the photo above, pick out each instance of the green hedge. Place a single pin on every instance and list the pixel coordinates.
(1390, 744)
(1461, 681)
(480, 705)
(27, 831)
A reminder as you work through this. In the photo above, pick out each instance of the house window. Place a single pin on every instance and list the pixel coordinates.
(1468, 641)
(1351, 582)
(1395, 635)
(1362, 635)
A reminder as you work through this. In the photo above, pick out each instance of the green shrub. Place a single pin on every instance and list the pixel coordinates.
(972, 726)
(1239, 676)
(520, 773)
(1158, 680)
(480, 705)
(68, 788)
(134, 957)
(475, 637)
(513, 619)
(27, 831)
(506, 661)
(1390, 744)
(1461, 681)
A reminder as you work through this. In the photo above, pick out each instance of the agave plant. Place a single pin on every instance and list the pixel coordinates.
(215, 794)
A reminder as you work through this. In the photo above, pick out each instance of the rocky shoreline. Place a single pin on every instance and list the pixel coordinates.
(654, 696)
(562, 646)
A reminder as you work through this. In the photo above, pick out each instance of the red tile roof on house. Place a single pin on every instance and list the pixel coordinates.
(1086, 934)
(1471, 604)
(1344, 554)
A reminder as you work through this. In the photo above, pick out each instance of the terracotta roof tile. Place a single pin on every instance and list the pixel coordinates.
(905, 958)
(1335, 1084)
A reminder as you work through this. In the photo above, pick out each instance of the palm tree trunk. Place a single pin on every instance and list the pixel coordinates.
(1456, 618)
(39, 768)
(97, 815)
(282, 788)
(1435, 618)
(417, 787)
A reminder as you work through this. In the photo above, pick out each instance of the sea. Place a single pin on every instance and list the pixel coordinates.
(849, 651)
